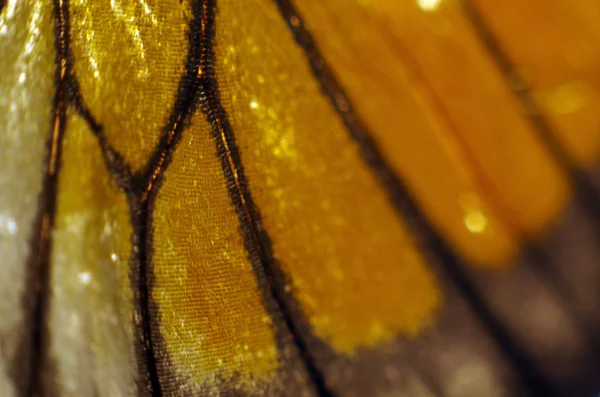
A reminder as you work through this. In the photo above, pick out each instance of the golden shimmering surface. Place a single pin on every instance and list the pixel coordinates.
(212, 317)
(26, 94)
(465, 109)
(553, 45)
(353, 266)
(90, 309)
(129, 59)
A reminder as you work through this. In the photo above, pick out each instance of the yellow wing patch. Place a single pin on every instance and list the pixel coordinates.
(26, 92)
(354, 268)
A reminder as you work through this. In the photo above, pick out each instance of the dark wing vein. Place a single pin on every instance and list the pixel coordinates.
(37, 291)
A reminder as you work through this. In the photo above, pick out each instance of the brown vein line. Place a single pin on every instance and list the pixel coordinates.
(144, 190)
(256, 240)
(407, 208)
(588, 195)
(161, 163)
(183, 109)
(114, 161)
(37, 295)
(149, 380)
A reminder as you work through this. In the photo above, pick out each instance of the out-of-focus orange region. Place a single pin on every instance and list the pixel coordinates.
(413, 137)
(212, 317)
(554, 45)
(354, 267)
(445, 118)
(129, 58)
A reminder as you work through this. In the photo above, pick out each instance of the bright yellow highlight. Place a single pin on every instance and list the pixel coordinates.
(554, 45)
(429, 5)
(445, 120)
(353, 266)
(475, 221)
(91, 317)
(213, 320)
(129, 60)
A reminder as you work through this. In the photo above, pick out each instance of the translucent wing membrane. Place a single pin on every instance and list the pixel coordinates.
(299, 198)
(27, 86)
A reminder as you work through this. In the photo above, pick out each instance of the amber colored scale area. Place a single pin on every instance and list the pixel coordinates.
(212, 315)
